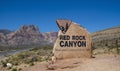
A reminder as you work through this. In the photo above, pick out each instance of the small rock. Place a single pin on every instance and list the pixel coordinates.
(9, 65)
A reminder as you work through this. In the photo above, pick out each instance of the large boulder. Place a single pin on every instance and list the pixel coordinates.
(73, 41)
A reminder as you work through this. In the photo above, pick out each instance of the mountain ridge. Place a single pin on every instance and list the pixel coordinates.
(26, 35)
(107, 29)
(30, 35)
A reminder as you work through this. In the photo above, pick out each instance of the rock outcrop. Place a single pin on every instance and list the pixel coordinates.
(73, 41)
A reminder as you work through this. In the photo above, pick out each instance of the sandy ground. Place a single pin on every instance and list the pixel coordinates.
(99, 63)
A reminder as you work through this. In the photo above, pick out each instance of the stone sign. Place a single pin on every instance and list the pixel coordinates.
(73, 41)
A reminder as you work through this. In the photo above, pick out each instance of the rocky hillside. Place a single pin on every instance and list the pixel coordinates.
(50, 36)
(27, 35)
(107, 38)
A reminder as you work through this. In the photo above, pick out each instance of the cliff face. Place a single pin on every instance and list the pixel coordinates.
(107, 38)
(27, 35)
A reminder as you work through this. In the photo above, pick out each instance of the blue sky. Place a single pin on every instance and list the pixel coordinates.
(94, 15)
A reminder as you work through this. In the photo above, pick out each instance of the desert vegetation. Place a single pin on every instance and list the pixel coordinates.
(112, 49)
(29, 57)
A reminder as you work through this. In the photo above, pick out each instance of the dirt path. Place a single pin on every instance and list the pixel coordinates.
(100, 63)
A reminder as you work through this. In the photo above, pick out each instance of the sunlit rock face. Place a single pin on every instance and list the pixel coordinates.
(73, 41)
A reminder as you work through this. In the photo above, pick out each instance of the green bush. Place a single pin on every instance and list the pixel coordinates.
(14, 69)
(32, 63)
(27, 61)
(3, 64)
(118, 50)
(19, 69)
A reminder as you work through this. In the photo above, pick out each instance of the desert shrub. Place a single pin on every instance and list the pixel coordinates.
(3, 63)
(27, 61)
(118, 50)
(32, 63)
(19, 69)
(14, 69)
(21, 56)
(48, 58)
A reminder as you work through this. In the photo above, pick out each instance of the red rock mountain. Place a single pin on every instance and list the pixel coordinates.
(27, 35)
